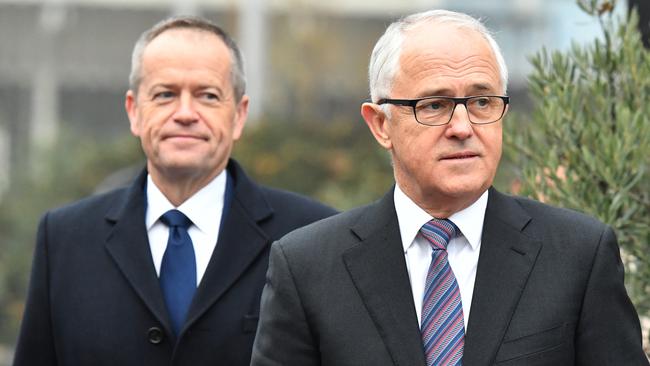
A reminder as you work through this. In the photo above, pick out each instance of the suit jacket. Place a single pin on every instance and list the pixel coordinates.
(94, 297)
(549, 291)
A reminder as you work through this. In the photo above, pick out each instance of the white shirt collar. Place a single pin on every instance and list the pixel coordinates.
(202, 208)
(411, 217)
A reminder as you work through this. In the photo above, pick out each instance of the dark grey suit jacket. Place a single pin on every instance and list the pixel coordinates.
(549, 291)
(94, 297)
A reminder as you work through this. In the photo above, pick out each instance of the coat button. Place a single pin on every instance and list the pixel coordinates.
(155, 335)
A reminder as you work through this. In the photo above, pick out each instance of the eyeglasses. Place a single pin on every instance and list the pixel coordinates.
(438, 111)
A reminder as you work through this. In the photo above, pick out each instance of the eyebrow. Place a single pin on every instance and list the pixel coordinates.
(482, 87)
(175, 86)
(475, 88)
(160, 85)
(206, 86)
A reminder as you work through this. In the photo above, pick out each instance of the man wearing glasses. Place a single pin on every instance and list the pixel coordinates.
(445, 270)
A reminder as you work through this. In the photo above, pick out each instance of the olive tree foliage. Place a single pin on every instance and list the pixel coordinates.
(588, 143)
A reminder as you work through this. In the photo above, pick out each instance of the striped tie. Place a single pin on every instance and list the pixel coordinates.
(442, 325)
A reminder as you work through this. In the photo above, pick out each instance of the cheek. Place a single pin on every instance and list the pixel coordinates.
(492, 141)
(496, 139)
(157, 123)
(147, 133)
(221, 127)
(425, 142)
(408, 133)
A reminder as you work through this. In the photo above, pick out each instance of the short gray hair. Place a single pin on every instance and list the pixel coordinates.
(237, 75)
(384, 61)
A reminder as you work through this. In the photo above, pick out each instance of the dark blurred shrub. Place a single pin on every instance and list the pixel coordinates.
(337, 162)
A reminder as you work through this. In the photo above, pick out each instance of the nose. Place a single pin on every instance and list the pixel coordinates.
(459, 126)
(185, 112)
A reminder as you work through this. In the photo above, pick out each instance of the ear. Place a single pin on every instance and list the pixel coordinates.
(377, 122)
(131, 111)
(241, 114)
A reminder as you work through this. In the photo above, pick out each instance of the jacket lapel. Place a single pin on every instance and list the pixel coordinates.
(506, 259)
(128, 245)
(240, 242)
(378, 270)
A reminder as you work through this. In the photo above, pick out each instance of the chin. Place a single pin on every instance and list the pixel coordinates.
(178, 164)
(466, 189)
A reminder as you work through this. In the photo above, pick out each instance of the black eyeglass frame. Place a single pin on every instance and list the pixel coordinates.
(457, 100)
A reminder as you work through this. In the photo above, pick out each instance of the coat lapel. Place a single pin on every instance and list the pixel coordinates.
(128, 245)
(378, 270)
(506, 259)
(240, 242)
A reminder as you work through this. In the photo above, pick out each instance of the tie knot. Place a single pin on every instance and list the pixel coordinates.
(439, 232)
(175, 218)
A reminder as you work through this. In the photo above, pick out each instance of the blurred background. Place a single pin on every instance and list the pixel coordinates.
(64, 68)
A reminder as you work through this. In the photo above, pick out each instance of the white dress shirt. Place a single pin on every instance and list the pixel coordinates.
(462, 251)
(204, 209)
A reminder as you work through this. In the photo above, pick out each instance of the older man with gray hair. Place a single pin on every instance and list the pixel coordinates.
(444, 269)
(168, 271)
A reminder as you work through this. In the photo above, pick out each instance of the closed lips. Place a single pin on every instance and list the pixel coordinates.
(462, 155)
(184, 136)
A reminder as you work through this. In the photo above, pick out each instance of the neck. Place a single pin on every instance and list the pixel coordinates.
(178, 188)
(436, 204)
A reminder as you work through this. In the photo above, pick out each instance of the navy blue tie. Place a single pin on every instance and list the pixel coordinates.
(178, 269)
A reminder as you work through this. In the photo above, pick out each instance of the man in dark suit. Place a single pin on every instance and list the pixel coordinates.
(445, 270)
(168, 271)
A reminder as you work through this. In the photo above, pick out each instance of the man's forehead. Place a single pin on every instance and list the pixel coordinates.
(442, 37)
(443, 58)
(444, 42)
(183, 45)
(188, 56)
(184, 36)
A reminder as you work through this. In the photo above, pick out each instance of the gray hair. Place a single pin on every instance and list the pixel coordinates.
(237, 75)
(384, 61)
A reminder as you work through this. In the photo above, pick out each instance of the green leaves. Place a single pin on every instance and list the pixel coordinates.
(588, 144)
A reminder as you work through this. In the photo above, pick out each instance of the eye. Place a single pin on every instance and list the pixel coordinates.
(433, 105)
(163, 95)
(482, 102)
(210, 96)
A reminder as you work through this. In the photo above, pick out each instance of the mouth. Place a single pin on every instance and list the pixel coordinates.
(463, 155)
(183, 137)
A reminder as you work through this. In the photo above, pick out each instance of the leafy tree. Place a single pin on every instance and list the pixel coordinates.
(587, 146)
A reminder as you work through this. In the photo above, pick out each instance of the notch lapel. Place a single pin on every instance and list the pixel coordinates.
(378, 270)
(239, 244)
(128, 245)
(506, 259)
(241, 241)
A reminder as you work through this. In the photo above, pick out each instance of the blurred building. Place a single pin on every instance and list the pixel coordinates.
(64, 63)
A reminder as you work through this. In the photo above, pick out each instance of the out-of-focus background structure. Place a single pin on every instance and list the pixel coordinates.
(64, 68)
(64, 63)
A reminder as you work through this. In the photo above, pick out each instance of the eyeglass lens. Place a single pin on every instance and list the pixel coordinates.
(482, 109)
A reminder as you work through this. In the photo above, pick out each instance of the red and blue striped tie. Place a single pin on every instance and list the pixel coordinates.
(442, 325)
